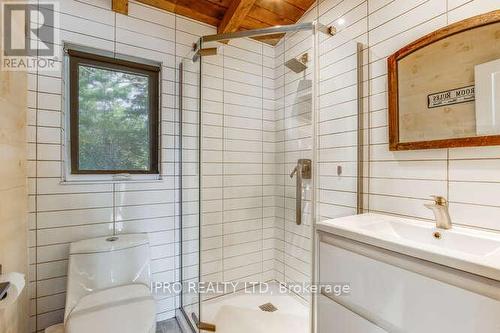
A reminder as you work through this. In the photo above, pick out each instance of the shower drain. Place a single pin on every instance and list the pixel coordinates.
(268, 307)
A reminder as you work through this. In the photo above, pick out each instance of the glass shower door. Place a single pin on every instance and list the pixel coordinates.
(265, 151)
(296, 145)
(256, 125)
(275, 149)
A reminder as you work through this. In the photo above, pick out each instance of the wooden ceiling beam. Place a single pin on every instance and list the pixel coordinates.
(120, 6)
(235, 14)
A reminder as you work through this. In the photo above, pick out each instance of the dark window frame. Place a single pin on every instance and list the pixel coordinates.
(77, 58)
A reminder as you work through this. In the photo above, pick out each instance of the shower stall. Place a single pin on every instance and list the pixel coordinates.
(250, 130)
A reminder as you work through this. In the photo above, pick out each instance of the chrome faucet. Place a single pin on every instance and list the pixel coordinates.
(440, 210)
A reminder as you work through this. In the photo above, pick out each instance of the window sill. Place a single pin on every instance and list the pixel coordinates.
(81, 181)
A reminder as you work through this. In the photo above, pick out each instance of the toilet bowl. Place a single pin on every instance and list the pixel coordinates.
(109, 287)
(120, 309)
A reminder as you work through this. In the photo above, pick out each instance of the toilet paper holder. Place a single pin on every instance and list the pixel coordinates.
(4, 286)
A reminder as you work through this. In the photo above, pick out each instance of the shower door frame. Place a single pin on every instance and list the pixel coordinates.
(316, 28)
(183, 318)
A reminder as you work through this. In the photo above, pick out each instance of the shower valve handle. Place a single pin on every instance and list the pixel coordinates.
(302, 171)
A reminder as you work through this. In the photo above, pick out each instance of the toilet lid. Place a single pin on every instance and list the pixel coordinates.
(124, 309)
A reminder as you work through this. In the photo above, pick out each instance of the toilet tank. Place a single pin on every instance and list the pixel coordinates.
(106, 262)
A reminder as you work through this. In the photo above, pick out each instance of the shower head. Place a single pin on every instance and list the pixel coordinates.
(298, 64)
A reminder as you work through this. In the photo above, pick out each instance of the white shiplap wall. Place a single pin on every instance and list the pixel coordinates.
(60, 214)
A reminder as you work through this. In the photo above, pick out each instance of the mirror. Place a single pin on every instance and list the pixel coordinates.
(444, 89)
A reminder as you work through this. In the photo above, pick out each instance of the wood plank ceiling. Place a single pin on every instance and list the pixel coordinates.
(232, 15)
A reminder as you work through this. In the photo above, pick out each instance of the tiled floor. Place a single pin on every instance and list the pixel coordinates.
(168, 326)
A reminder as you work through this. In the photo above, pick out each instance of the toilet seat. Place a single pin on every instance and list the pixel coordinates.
(123, 309)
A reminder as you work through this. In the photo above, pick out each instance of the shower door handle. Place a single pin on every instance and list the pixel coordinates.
(302, 171)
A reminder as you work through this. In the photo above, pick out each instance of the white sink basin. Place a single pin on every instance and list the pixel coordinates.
(454, 239)
(474, 251)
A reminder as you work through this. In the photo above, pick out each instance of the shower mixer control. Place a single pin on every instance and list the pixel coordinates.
(304, 167)
(303, 170)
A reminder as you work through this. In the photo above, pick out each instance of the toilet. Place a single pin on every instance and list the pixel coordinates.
(108, 287)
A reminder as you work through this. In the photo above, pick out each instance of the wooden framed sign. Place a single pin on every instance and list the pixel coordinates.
(444, 88)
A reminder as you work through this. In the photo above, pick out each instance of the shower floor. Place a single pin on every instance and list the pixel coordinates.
(240, 312)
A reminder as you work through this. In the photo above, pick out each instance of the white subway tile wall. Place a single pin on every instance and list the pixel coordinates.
(237, 162)
(256, 124)
(293, 125)
(62, 213)
(394, 182)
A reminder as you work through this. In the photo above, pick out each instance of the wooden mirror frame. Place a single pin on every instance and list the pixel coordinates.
(392, 66)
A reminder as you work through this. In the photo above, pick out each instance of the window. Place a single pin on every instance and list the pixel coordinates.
(114, 111)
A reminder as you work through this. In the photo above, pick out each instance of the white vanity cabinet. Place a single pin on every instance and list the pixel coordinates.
(391, 292)
(333, 317)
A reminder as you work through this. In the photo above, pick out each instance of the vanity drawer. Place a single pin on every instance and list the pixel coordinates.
(333, 317)
(401, 300)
